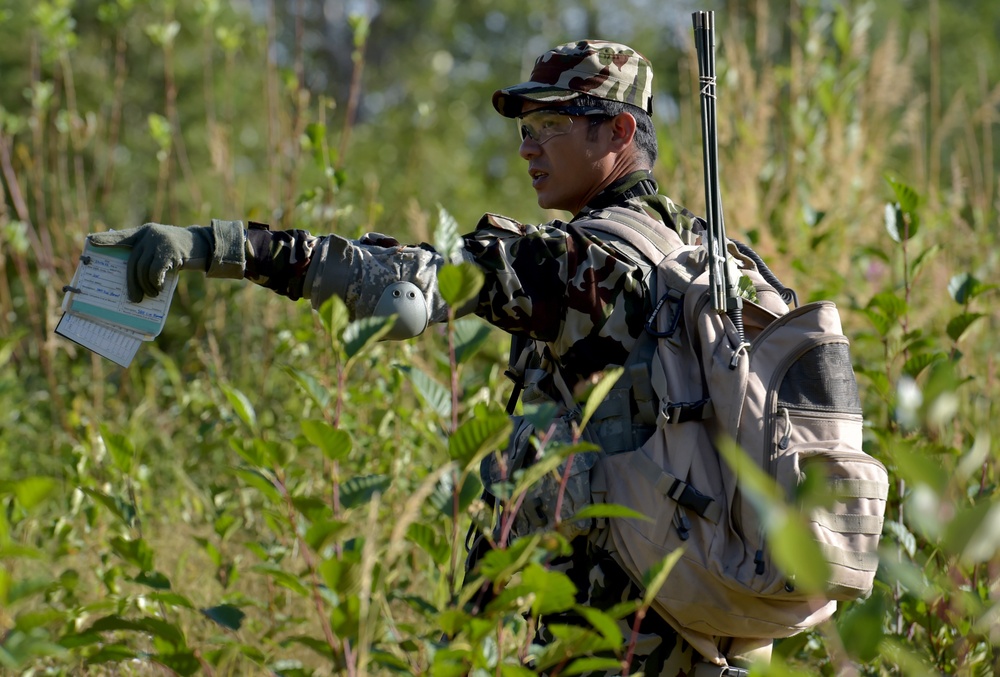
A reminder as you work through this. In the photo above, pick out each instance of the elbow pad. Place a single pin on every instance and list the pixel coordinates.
(405, 301)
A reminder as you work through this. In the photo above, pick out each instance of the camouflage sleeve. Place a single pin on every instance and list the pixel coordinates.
(296, 264)
(555, 282)
(279, 260)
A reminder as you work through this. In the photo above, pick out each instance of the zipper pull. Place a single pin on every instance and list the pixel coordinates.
(758, 557)
(682, 523)
(783, 443)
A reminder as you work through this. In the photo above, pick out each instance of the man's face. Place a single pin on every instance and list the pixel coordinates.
(568, 161)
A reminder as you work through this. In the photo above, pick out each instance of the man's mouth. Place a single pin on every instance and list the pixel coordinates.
(537, 176)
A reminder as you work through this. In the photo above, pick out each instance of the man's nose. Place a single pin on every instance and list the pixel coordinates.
(529, 148)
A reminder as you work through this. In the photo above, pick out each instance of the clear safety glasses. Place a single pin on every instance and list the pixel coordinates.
(542, 124)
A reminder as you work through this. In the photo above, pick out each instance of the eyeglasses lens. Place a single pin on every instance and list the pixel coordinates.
(543, 125)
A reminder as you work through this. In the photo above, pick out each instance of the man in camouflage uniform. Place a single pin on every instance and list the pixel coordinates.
(582, 298)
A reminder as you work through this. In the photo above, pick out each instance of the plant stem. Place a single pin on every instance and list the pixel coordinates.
(640, 614)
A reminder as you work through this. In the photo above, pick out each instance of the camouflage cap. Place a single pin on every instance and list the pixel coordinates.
(607, 70)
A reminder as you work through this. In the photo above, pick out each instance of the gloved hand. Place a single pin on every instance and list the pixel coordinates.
(158, 249)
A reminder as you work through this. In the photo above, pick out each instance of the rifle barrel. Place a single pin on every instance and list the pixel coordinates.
(722, 273)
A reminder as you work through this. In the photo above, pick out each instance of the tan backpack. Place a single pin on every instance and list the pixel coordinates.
(789, 398)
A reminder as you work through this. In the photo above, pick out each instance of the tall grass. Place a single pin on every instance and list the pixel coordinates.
(190, 482)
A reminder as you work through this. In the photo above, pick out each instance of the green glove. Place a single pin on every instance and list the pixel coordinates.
(157, 249)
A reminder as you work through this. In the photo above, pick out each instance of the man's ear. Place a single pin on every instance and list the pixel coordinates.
(622, 130)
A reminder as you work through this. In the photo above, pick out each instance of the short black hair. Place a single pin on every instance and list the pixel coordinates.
(645, 133)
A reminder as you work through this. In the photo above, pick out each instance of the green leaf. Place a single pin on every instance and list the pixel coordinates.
(907, 197)
(959, 324)
(541, 415)
(443, 496)
(499, 565)
(122, 510)
(582, 666)
(32, 491)
(789, 540)
(891, 305)
(878, 379)
(27, 587)
(39, 618)
(453, 621)
(120, 449)
(310, 386)
(171, 599)
(111, 653)
(183, 663)
(608, 510)
(315, 140)
(964, 287)
(272, 452)
(334, 317)
(283, 578)
(359, 490)
(470, 335)
(599, 392)
(430, 542)
(511, 670)
(543, 466)
(913, 464)
(343, 575)
(916, 364)
(901, 219)
(154, 626)
(861, 626)
(433, 393)
(459, 283)
(153, 579)
(136, 552)
(360, 334)
(903, 536)
(241, 405)
(604, 623)
(894, 221)
(794, 549)
(320, 532)
(923, 257)
(974, 533)
(554, 455)
(311, 507)
(485, 432)
(261, 483)
(446, 237)
(654, 578)
(553, 590)
(882, 324)
(249, 452)
(335, 443)
(226, 615)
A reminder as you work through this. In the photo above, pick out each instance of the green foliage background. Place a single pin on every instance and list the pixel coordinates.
(267, 490)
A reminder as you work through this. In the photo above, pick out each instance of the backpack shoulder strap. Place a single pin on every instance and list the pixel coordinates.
(652, 238)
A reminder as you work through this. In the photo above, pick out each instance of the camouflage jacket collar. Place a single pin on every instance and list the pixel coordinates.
(634, 185)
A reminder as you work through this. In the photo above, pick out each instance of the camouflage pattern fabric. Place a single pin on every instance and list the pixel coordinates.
(601, 583)
(607, 70)
(578, 296)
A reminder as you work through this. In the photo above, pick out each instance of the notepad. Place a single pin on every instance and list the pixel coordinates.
(97, 313)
